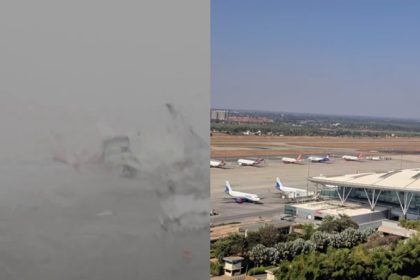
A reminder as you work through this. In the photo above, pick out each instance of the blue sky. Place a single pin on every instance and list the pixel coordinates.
(339, 57)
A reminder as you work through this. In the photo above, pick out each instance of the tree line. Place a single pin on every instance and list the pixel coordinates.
(399, 260)
(268, 247)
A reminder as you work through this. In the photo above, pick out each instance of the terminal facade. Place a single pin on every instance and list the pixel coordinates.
(397, 190)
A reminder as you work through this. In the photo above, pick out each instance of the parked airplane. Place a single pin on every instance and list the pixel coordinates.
(217, 163)
(241, 196)
(288, 190)
(319, 159)
(292, 160)
(375, 158)
(352, 158)
(250, 162)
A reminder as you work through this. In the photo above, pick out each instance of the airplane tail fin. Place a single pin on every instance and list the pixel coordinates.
(227, 187)
(299, 157)
(328, 156)
(360, 155)
(278, 183)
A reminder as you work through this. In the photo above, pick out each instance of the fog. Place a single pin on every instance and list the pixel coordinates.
(57, 222)
(79, 72)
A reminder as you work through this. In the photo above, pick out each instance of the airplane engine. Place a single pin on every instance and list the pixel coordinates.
(239, 200)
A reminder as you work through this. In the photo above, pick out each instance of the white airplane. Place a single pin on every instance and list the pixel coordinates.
(288, 190)
(375, 158)
(352, 158)
(241, 196)
(319, 159)
(217, 163)
(250, 162)
(298, 159)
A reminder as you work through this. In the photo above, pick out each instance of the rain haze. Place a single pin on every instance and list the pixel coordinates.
(74, 74)
(330, 57)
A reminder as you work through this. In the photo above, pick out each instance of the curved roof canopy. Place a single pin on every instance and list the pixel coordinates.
(406, 180)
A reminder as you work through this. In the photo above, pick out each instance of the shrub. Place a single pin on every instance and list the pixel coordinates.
(394, 276)
(216, 269)
(258, 270)
(410, 224)
(377, 240)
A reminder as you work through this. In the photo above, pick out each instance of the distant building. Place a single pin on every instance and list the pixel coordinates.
(248, 119)
(219, 115)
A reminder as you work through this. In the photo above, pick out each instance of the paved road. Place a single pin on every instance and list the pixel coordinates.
(266, 213)
(261, 181)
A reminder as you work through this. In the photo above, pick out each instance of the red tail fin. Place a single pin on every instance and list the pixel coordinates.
(299, 157)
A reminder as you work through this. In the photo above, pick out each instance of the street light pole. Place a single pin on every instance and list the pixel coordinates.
(307, 179)
(401, 161)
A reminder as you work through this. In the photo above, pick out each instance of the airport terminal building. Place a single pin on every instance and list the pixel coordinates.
(397, 190)
(316, 211)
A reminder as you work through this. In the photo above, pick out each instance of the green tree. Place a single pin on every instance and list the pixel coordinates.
(234, 244)
(394, 276)
(332, 224)
(258, 254)
(308, 230)
(268, 235)
(356, 263)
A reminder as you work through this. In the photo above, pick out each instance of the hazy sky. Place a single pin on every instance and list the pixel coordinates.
(67, 66)
(345, 57)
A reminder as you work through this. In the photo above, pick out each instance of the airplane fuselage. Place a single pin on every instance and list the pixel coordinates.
(248, 162)
(350, 158)
(318, 159)
(295, 191)
(288, 190)
(292, 160)
(217, 163)
(241, 196)
(289, 160)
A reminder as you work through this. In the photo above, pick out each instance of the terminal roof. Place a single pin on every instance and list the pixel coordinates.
(406, 180)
